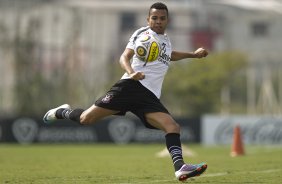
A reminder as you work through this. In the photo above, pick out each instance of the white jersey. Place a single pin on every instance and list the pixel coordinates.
(156, 70)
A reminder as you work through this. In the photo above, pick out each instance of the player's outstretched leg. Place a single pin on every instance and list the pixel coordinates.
(51, 114)
(190, 170)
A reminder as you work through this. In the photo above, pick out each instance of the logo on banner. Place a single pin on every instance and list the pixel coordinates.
(255, 130)
(121, 130)
(25, 130)
(267, 130)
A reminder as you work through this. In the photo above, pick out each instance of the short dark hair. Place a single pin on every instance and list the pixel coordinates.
(158, 6)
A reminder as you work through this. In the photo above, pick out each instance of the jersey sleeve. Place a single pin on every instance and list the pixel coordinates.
(131, 43)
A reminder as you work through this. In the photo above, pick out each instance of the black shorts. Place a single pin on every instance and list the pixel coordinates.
(130, 95)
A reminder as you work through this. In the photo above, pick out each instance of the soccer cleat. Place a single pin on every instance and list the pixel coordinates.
(190, 170)
(51, 114)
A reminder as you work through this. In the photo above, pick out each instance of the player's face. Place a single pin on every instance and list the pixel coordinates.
(158, 20)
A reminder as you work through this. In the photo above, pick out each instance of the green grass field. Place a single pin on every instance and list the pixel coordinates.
(137, 163)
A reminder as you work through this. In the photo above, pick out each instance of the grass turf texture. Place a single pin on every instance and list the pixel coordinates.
(135, 163)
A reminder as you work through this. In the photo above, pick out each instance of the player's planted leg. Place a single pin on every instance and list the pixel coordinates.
(182, 171)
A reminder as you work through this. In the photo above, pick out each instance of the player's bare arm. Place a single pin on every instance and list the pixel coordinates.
(126, 65)
(199, 53)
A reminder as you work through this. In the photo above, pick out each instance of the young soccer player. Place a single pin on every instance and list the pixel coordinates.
(139, 91)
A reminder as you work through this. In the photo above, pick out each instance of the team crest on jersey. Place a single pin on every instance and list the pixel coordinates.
(141, 51)
(107, 98)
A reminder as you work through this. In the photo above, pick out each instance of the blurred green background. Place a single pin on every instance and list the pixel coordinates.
(66, 51)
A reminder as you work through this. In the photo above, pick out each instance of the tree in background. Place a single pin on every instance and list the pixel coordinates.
(28, 78)
(32, 90)
(194, 88)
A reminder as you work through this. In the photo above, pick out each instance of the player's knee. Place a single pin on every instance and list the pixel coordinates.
(172, 127)
(86, 119)
(175, 127)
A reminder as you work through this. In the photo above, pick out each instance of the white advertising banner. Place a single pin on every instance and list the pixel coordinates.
(254, 129)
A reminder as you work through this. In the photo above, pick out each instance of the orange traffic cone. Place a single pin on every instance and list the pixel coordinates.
(237, 147)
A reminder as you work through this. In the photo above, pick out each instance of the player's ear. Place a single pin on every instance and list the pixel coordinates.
(148, 18)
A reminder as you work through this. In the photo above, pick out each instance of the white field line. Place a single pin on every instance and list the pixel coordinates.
(211, 175)
(254, 172)
(214, 174)
(251, 172)
(266, 171)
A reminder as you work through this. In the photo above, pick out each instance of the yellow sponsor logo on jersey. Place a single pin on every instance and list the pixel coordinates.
(153, 52)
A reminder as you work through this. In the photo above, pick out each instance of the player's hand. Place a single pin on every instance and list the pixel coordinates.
(137, 76)
(200, 53)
